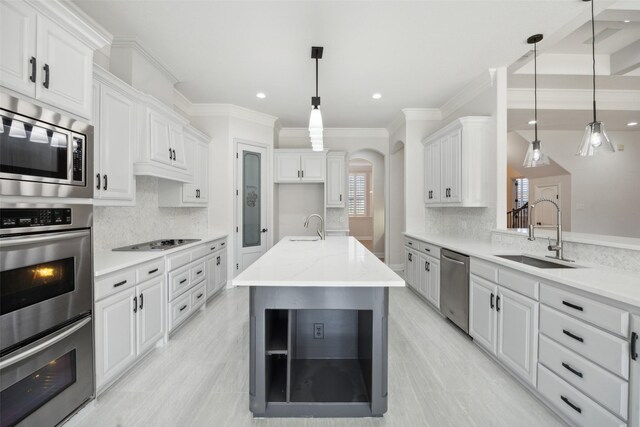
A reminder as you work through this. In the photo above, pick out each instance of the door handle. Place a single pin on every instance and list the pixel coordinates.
(46, 76)
(141, 300)
(174, 154)
(341, 197)
(453, 260)
(106, 183)
(32, 77)
(98, 178)
(498, 303)
(264, 230)
(135, 304)
(170, 154)
(302, 174)
(634, 343)
(41, 238)
(492, 297)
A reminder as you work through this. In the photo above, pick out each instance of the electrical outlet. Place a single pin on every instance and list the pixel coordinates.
(318, 331)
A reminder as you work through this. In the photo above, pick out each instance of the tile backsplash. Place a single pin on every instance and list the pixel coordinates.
(120, 226)
(475, 223)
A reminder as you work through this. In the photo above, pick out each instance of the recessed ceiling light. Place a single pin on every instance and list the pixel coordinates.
(261, 95)
(626, 21)
(376, 96)
(632, 124)
(532, 122)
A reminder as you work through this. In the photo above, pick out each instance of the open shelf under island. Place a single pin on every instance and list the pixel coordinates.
(318, 329)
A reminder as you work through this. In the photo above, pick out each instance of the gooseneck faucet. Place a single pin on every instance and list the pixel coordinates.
(558, 248)
(320, 230)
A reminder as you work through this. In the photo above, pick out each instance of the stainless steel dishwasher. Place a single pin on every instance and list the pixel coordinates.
(454, 287)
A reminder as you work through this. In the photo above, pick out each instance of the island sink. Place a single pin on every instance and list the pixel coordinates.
(535, 262)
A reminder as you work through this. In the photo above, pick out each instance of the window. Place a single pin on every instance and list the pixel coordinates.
(358, 194)
(522, 192)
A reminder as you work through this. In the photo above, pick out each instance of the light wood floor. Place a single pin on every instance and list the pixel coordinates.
(437, 377)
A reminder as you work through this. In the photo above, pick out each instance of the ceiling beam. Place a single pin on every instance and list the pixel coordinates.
(574, 99)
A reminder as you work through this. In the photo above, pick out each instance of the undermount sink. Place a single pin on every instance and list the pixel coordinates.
(536, 262)
(304, 239)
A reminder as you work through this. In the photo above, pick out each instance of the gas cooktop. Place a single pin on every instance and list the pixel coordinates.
(157, 245)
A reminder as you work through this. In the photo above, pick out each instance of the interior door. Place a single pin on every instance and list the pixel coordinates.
(546, 213)
(251, 211)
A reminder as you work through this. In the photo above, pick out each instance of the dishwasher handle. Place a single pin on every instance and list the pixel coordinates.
(453, 260)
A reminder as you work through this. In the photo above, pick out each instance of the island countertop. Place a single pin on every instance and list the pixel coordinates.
(334, 262)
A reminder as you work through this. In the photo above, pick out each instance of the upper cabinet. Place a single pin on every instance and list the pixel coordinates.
(457, 164)
(45, 60)
(336, 179)
(161, 146)
(299, 166)
(196, 192)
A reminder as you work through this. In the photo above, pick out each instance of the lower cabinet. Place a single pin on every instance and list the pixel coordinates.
(634, 375)
(127, 324)
(217, 270)
(482, 314)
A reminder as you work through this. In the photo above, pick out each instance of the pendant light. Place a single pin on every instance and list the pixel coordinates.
(595, 138)
(315, 119)
(535, 157)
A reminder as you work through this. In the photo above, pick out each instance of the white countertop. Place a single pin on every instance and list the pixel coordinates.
(620, 286)
(334, 262)
(106, 262)
(632, 243)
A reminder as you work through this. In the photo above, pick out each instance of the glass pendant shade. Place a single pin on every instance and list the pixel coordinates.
(315, 119)
(535, 156)
(595, 140)
(39, 135)
(17, 130)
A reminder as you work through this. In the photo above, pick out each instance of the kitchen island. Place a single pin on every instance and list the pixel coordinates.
(318, 329)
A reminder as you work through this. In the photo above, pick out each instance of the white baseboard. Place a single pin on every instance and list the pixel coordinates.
(398, 268)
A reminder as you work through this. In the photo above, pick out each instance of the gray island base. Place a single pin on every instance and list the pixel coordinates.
(318, 351)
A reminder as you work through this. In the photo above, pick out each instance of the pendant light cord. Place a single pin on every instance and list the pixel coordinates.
(593, 56)
(317, 78)
(535, 89)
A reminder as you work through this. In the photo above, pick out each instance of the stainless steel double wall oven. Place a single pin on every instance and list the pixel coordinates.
(46, 270)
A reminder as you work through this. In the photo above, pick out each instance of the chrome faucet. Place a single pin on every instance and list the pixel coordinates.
(320, 231)
(558, 248)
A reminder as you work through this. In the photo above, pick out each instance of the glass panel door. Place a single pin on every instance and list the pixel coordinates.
(251, 199)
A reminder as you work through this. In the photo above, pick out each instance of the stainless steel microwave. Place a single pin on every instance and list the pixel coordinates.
(43, 153)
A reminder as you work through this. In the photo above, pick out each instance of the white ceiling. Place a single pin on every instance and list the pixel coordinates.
(572, 119)
(416, 53)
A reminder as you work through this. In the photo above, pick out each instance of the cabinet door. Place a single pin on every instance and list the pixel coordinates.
(335, 181)
(313, 167)
(116, 127)
(190, 189)
(66, 69)
(432, 173)
(18, 46)
(159, 139)
(482, 313)
(115, 335)
(634, 378)
(212, 273)
(408, 266)
(176, 137)
(151, 308)
(433, 290)
(451, 168)
(287, 167)
(203, 179)
(518, 333)
(221, 269)
(422, 273)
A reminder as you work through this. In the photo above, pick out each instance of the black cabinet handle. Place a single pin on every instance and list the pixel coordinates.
(575, 337)
(98, 179)
(341, 197)
(410, 258)
(182, 281)
(634, 343)
(492, 297)
(574, 407)
(199, 272)
(135, 304)
(213, 248)
(170, 154)
(46, 76)
(498, 303)
(575, 307)
(152, 271)
(32, 77)
(570, 369)
(217, 260)
(174, 154)
(302, 174)
(410, 243)
(106, 183)
(223, 243)
(199, 296)
(141, 301)
(183, 307)
(427, 250)
(119, 283)
(426, 265)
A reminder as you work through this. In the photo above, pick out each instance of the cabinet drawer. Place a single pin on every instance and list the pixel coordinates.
(178, 260)
(199, 252)
(518, 282)
(198, 296)
(602, 315)
(197, 272)
(430, 249)
(212, 246)
(179, 310)
(484, 269)
(600, 347)
(573, 404)
(607, 389)
(411, 243)
(114, 283)
(179, 282)
(150, 270)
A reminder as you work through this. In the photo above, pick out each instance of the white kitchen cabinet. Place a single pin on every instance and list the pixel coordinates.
(151, 306)
(43, 60)
(517, 333)
(115, 335)
(634, 376)
(433, 281)
(299, 166)
(457, 164)
(115, 136)
(482, 313)
(336, 179)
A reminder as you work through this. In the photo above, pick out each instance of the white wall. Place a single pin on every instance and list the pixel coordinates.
(395, 214)
(296, 203)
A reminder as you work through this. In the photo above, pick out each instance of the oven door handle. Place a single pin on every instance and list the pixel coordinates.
(41, 238)
(30, 351)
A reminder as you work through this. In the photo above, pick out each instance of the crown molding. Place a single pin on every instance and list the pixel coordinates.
(336, 133)
(473, 89)
(573, 99)
(422, 114)
(74, 20)
(134, 44)
(396, 123)
(181, 102)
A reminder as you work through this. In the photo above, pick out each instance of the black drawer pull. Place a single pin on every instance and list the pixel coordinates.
(410, 243)
(492, 296)
(575, 307)
(199, 272)
(119, 283)
(634, 343)
(574, 407)
(141, 301)
(135, 304)
(575, 337)
(153, 271)
(199, 296)
(427, 249)
(498, 303)
(183, 307)
(182, 281)
(569, 368)
(213, 248)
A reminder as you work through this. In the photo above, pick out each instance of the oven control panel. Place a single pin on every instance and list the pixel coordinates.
(16, 218)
